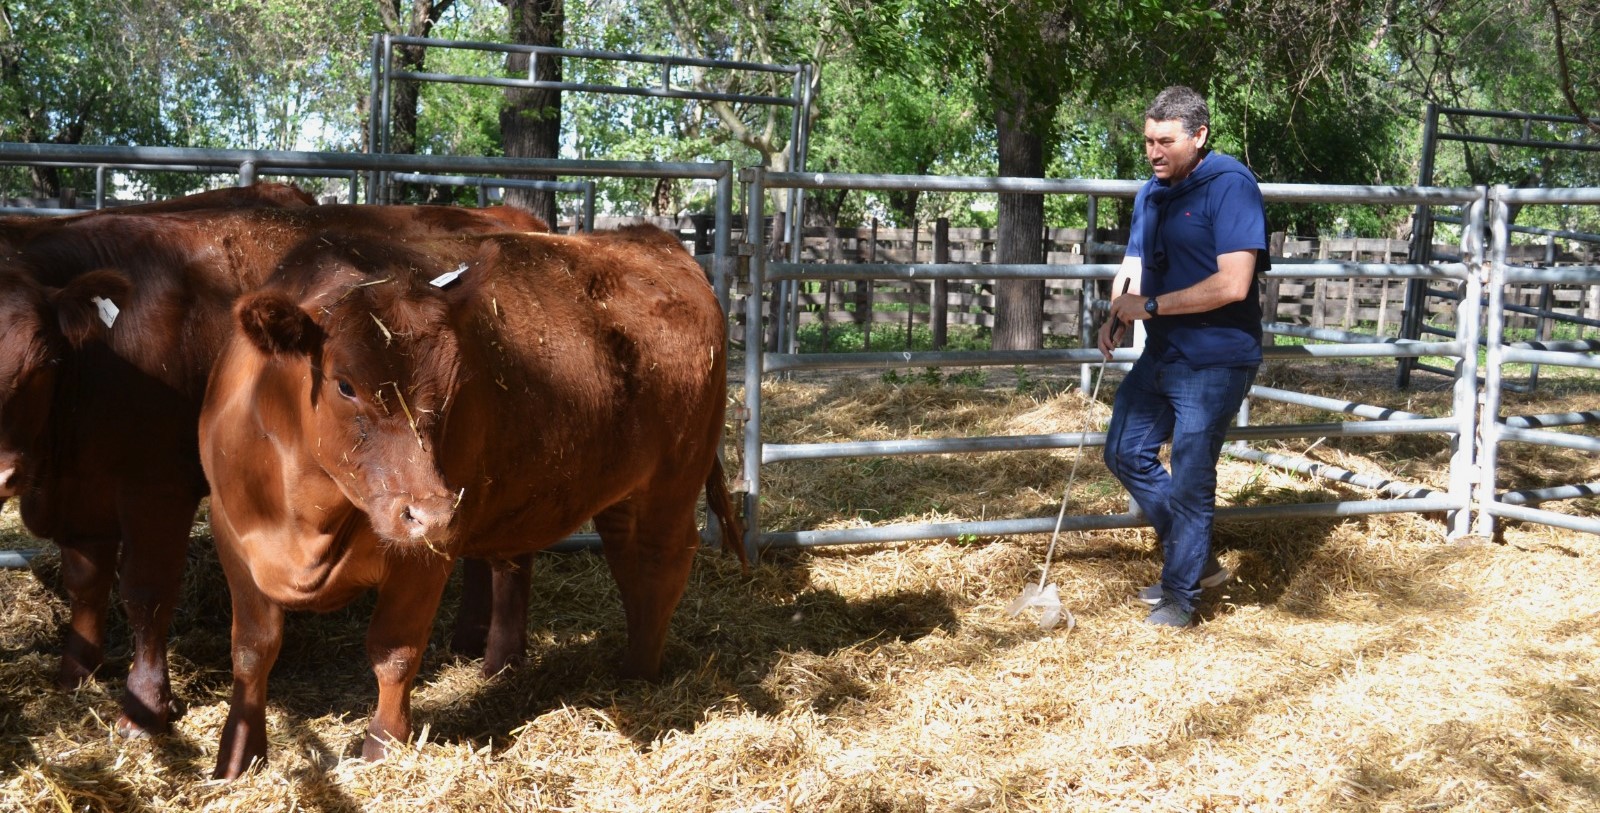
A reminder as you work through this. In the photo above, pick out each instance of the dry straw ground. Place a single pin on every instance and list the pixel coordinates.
(1360, 664)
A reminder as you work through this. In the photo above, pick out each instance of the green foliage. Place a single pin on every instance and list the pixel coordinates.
(205, 73)
(887, 337)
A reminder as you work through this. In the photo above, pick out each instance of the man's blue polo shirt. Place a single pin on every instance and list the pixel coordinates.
(1179, 231)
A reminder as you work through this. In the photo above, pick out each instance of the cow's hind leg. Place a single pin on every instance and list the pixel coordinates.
(153, 555)
(88, 567)
(492, 622)
(508, 621)
(408, 600)
(649, 552)
(471, 633)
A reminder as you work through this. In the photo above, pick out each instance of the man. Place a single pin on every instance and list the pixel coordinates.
(1198, 240)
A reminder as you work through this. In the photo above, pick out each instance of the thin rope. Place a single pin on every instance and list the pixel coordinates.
(1094, 398)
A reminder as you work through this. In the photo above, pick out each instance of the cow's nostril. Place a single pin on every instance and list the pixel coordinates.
(422, 519)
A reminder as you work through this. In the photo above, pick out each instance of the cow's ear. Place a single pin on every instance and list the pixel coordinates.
(88, 306)
(276, 324)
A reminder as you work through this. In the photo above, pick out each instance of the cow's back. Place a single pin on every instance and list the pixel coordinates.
(599, 364)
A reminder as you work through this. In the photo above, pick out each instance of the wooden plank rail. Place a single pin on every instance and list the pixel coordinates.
(1366, 304)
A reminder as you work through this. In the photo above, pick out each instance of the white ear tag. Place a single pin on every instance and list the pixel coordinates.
(448, 277)
(108, 310)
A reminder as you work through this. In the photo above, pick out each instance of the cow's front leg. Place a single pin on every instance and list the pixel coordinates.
(155, 550)
(408, 599)
(87, 569)
(257, 637)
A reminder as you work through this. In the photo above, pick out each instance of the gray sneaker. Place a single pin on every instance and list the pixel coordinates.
(1215, 575)
(1169, 614)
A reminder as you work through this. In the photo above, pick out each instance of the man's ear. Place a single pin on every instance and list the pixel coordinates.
(1201, 136)
(276, 324)
(87, 306)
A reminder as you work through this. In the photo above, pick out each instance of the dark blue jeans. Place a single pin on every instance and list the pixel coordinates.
(1160, 402)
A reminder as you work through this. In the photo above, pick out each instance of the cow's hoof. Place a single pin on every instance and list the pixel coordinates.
(493, 666)
(72, 676)
(130, 728)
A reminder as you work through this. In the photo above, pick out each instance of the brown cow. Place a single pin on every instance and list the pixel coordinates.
(364, 428)
(98, 424)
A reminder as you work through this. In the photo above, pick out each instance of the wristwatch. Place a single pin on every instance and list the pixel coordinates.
(1150, 306)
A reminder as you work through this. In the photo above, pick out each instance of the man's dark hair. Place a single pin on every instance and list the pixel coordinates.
(1182, 104)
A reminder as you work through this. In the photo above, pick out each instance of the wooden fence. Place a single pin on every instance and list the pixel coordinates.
(1365, 304)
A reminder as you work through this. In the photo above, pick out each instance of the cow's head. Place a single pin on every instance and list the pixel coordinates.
(39, 328)
(381, 358)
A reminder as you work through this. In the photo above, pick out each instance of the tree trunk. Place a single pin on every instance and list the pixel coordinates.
(530, 120)
(418, 21)
(1019, 304)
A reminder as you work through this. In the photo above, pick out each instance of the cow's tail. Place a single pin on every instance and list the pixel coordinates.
(721, 503)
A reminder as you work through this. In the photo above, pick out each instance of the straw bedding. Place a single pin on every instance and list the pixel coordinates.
(1357, 664)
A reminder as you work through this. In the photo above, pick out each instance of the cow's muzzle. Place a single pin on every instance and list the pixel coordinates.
(427, 519)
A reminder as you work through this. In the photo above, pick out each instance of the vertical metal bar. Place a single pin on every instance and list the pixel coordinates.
(754, 361)
(722, 260)
(588, 207)
(374, 103)
(483, 195)
(789, 333)
(1415, 310)
(1488, 428)
(1087, 290)
(1469, 330)
(1541, 327)
(247, 173)
(382, 190)
(720, 276)
(100, 187)
(939, 291)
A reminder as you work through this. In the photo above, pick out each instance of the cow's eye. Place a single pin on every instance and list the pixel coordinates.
(345, 389)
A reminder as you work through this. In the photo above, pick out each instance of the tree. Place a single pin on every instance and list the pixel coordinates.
(1499, 55)
(530, 119)
(1030, 55)
(411, 18)
(180, 72)
(908, 121)
(1577, 30)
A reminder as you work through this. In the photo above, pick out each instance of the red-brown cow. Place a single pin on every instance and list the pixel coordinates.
(364, 428)
(98, 423)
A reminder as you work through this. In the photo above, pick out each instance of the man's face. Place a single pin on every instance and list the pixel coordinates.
(1172, 153)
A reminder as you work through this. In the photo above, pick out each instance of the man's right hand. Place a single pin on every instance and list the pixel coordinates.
(1111, 336)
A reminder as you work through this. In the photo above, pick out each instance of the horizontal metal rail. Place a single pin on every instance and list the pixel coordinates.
(779, 452)
(589, 53)
(1044, 525)
(263, 160)
(781, 362)
(1533, 496)
(1325, 471)
(936, 271)
(1553, 419)
(1514, 355)
(1333, 404)
(480, 180)
(1546, 437)
(1495, 508)
(16, 559)
(1561, 275)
